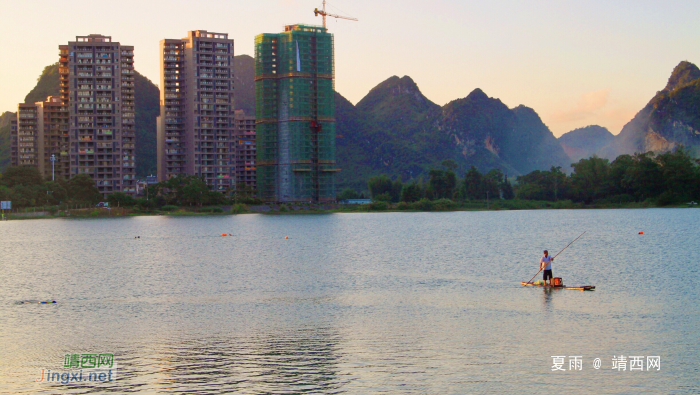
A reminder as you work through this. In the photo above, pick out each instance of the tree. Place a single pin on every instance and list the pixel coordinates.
(121, 199)
(81, 189)
(590, 178)
(678, 174)
(52, 193)
(442, 183)
(619, 182)
(492, 183)
(348, 193)
(646, 176)
(473, 184)
(243, 193)
(380, 185)
(507, 189)
(17, 175)
(551, 185)
(412, 193)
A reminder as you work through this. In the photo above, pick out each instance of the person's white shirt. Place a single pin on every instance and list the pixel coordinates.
(548, 260)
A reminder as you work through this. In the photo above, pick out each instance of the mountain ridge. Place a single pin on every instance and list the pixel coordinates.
(670, 119)
(586, 141)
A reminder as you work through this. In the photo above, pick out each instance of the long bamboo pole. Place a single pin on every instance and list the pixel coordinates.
(567, 246)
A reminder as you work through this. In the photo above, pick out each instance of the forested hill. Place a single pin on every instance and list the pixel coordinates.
(244, 83)
(670, 119)
(5, 144)
(396, 130)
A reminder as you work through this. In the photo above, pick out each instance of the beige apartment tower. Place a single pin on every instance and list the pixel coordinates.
(196, 133)
(97, 89)
(42, 137)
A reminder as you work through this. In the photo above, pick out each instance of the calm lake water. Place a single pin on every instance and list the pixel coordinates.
(353, 303)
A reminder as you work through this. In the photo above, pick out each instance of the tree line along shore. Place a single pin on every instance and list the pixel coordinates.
(643, 180)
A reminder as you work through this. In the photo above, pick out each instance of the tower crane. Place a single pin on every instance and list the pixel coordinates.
(324, 14)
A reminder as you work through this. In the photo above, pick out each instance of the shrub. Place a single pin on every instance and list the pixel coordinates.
(239, 209)
(443, 205)
(379, 206)
(422, 205)
(403, 206)
(668, 198)
(384, 197)
(168, 207)
(283, 208)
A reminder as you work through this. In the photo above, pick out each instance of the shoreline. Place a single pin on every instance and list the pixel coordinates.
(375, 207)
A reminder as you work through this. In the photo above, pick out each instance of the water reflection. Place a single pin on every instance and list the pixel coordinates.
(293, 361)
(547, 298)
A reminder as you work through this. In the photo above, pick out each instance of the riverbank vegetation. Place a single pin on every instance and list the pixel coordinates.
(641, 180)
(630, 181)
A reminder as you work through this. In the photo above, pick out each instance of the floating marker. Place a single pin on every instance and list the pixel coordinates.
(641, 233)
(286, 237)
(224, 235)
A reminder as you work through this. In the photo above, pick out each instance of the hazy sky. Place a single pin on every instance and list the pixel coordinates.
(575, 62)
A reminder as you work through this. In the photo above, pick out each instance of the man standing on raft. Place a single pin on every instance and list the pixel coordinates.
(546, 264)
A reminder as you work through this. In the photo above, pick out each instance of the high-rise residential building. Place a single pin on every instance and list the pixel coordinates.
(97, 87)
(196, 124)
(244, 128)
(14, 154)
(52, 116)
(43, 134)
(295, 115)
(28, 136)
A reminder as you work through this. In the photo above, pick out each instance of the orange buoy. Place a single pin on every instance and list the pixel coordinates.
(641, 233)
(224, 235)
(286, 237)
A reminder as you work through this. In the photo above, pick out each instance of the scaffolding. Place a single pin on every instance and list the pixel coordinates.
(295, 115)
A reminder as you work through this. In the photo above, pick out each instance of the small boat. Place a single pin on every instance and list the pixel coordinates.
(539, 284)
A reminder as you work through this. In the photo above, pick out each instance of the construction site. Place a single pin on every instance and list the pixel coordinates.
(295, 115)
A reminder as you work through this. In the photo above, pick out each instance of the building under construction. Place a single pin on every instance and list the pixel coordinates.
(295, 115)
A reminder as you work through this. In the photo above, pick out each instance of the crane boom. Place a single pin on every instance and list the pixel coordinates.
(323, 13)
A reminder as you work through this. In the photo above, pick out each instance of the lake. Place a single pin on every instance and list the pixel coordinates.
(354, 303)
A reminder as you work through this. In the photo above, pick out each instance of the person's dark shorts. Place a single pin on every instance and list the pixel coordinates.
(547, 275)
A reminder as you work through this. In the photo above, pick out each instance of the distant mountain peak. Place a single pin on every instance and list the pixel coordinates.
(682, 74)
(477, 95)
(584, 142)
(404, 86)
(395, 90)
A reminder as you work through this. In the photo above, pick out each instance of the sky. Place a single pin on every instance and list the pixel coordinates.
(577, 63)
